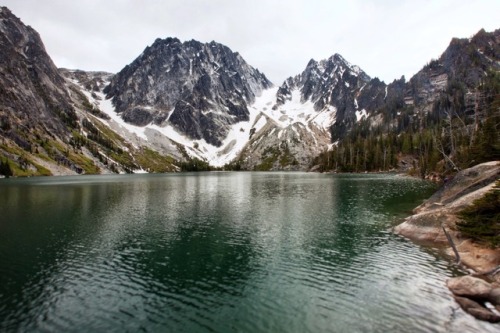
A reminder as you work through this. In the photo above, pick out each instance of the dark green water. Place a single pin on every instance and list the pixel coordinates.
(219, 252)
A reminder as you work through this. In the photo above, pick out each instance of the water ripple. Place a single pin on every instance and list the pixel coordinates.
(220, 252)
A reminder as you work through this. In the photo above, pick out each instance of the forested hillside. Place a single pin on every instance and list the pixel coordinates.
(446, 118)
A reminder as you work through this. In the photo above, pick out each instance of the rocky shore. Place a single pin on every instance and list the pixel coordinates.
(476, 295)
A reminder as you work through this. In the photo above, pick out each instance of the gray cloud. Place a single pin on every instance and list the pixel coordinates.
(387, 39)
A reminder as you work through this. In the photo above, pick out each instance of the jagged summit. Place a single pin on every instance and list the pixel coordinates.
(336, 85)
(199, 88)
(320, 78)
(339, 60)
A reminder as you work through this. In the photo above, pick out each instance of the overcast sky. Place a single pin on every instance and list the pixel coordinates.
(386, 38)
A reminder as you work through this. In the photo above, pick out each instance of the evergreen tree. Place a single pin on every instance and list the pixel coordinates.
(481, 221)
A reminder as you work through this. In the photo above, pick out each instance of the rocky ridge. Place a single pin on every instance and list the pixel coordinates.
(455, 75)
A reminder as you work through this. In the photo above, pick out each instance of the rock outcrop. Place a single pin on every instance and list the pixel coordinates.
(440, 210)
(471, 287)
(33, 96)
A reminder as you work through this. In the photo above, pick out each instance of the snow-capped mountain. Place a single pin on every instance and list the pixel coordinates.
(309, 112)
(278, 128)
(285, 126)
(334, 86)
(198, 89)
(181, 101)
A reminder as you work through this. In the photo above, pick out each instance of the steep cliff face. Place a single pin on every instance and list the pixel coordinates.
(454, 75)
(36, 114)
(33, 96)
(200, 89)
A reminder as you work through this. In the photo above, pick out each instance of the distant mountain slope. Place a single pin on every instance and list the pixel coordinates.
(334, 84)
(199, 89)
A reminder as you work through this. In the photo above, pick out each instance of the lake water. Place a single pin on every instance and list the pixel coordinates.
(219, 252)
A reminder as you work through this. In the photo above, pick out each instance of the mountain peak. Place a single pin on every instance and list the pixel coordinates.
(311, 63)
(337, 57)
(319, 79)
(198, 88)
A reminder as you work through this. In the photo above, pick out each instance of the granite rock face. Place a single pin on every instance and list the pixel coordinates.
(428, 93)
(33, 95)
(200, 89)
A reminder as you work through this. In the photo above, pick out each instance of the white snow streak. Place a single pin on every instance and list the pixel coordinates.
(361, 114)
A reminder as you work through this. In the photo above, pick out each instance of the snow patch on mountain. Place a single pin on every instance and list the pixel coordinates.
(106, 106)
(360, 114)
(294, 115)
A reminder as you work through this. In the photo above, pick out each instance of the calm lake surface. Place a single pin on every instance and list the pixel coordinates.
(219, 252)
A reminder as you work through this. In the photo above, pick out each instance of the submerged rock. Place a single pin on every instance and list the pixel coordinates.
(494, 297)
